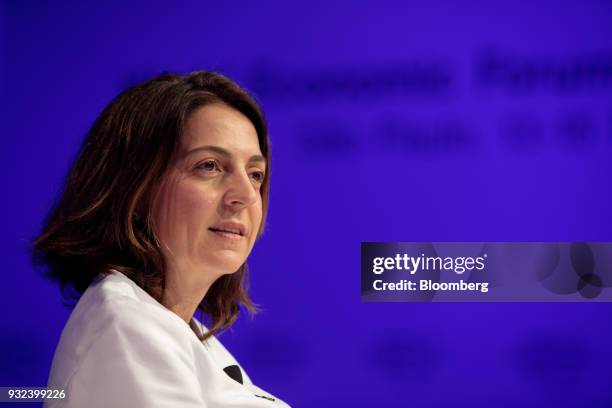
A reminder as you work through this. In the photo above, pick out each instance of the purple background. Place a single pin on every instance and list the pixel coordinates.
(390, 121)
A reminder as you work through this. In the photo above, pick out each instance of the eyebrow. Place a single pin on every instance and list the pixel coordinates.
(224, 152)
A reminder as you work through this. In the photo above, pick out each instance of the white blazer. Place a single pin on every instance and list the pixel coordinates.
(122, 348)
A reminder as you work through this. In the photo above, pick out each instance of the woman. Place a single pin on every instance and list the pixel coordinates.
(158, 215)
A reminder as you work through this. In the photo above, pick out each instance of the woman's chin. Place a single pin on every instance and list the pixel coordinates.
(226, 265)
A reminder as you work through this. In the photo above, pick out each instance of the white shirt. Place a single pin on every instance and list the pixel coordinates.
(122, 348)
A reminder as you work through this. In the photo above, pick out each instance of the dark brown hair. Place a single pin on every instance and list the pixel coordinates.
(102, 219)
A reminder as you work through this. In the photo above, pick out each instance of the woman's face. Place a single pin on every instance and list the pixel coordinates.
(208, 208)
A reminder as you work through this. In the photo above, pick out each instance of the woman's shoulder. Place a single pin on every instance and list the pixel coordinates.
(116, 299)
(114, 313)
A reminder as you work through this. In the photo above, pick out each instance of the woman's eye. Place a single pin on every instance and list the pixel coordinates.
(208, 165)
(258, 176)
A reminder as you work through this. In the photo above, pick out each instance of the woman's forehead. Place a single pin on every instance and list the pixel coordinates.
(220, 125)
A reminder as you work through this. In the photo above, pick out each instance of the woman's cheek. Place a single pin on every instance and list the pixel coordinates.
(196, 202)
(257, 215)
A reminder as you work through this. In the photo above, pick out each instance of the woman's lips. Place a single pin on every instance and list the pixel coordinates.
(225, 234)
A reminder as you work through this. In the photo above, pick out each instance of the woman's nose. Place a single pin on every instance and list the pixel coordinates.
(240, 191)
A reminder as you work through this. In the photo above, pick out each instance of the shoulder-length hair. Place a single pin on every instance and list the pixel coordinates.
(102, 219)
